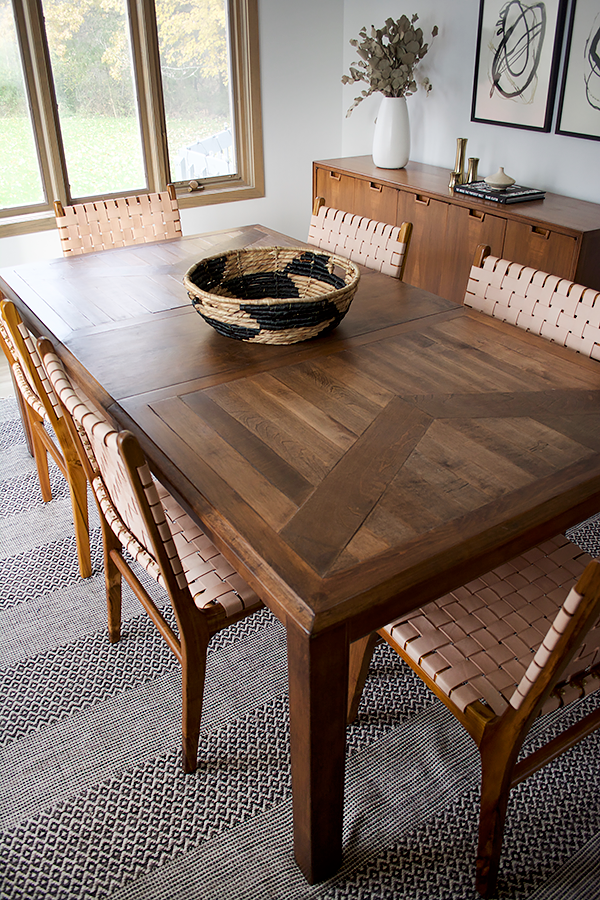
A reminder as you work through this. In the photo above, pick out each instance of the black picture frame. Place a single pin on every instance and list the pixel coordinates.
(516, 66)
(579, 102)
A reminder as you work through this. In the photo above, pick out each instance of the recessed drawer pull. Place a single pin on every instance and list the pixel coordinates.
(336, 175)
(543, 232)
(376, 187)
(477, 214)
(423, 200)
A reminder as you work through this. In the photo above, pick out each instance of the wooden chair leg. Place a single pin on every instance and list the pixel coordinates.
(79, 502)
(193, 674)
(112, 578)
(40, 456)
(24, 413)
(361, 652)
(496, 773)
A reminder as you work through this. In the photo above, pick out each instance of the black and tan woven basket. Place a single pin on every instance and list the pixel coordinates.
(272, 295)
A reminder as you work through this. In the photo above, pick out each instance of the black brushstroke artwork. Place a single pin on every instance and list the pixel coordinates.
(592, 59)
(522, 29)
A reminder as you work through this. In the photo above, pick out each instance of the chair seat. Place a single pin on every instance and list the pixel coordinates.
(210, 578)
(477, 642)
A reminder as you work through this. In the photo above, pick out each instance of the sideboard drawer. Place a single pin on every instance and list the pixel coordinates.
(426, 255)
(466, 228)
(375, 201)
(542, 248)
(336, 188)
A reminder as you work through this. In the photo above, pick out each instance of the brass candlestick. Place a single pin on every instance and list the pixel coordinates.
(472, 170)
(458, 175)
(459, 166)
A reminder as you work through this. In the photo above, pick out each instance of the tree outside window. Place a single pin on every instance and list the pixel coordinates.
(109, 97)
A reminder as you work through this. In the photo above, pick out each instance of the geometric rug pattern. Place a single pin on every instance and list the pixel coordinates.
(93, 801)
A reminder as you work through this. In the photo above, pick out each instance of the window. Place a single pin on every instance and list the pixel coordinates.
(103, 98)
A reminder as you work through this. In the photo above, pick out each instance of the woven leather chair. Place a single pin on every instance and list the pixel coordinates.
(365, 241)
(14, 366)
(139, 515)
(499, 652)
(40, 405)
(544, 304)
(105, 224)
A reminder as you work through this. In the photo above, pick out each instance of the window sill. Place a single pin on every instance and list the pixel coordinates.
(28, 224)
(223, 194)
(45, 221)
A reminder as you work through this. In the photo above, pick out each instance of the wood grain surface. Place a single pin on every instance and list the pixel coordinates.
(417, 429)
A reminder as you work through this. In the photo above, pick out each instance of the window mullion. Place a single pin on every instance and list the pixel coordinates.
(30, 18)
(150, 94)
(243, 36)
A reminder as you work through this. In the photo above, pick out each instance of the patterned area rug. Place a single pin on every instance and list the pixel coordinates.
(93, 801)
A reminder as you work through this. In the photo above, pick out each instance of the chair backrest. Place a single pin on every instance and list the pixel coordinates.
(104, 224)
(12, 357)
(514, 610)
(365, 241)
(128, 499)
(27, 367)
(6, 341)
(544, 304)
(577, 654)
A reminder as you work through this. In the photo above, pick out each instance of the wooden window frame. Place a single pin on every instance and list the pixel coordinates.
(247, 184)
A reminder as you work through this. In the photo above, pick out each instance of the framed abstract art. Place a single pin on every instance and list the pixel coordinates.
(579, 107)
(516, 67)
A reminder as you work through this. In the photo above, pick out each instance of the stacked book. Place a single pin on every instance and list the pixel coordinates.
(515, 193)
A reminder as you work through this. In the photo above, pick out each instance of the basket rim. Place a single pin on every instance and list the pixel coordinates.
(351, 269)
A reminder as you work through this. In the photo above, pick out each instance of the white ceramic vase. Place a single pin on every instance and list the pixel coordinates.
(391, 140)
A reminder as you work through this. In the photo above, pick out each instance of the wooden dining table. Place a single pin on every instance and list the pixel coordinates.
(348, 478)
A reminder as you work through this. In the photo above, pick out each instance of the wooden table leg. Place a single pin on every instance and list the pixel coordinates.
(318, 675)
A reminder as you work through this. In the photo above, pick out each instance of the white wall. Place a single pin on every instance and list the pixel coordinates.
(301, 51)
(552, 162)
(305, 51)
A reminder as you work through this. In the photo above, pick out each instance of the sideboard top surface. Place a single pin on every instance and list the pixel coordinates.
(566, 213)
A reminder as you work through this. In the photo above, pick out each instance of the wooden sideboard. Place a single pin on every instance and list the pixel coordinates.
(559, 235)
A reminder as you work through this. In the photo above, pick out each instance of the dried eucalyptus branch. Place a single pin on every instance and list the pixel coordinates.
(388, 58)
